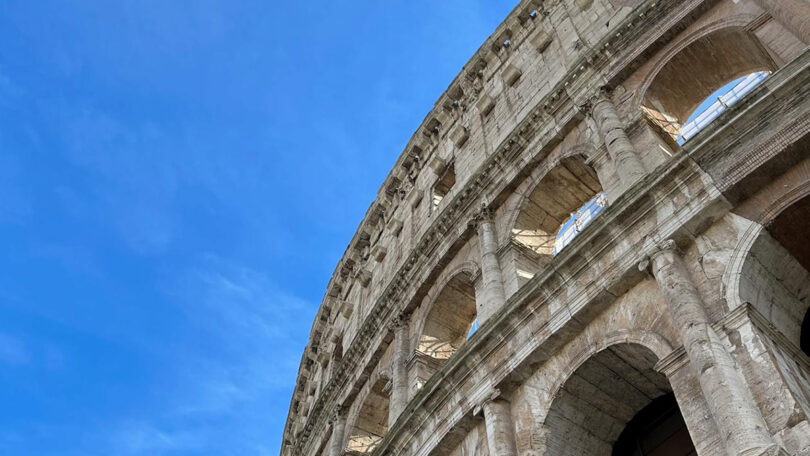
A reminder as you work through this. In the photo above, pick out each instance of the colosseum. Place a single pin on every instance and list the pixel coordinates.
(597, 242)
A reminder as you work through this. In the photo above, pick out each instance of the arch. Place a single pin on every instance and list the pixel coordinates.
(775, 275)
(765, 259)
(760, 212)
(676, 47)
(450, 314)
(695, 67)
(768, 204)
(470, 269)
(650, 340)
(554, 196)
(371, 422)
(600, 397)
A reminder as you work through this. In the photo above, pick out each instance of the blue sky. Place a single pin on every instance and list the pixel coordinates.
(177, 181)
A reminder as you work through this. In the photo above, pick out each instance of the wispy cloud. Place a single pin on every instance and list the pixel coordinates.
(250, 317)
(238, 370)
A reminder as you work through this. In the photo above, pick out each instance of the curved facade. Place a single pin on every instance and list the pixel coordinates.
(671, 317)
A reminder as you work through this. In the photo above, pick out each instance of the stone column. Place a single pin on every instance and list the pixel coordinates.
(500, 429)
(793, 14)
(493, 295)
(736, 414)
(338, 431)
(618, 145)
(399, 369)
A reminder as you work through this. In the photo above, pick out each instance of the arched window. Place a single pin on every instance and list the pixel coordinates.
(562, 203)
(718, 102)
(473, 328)
(451, 320)
(703, 79)
(578, 221)
(371, 424)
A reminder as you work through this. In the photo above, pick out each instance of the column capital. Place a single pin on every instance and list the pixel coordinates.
(665, 247)
(398, 321)
(483, 215)
(587, 104)
(338, 413)
(494, 394)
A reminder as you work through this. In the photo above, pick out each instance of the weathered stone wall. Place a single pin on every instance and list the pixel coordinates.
(674, 287)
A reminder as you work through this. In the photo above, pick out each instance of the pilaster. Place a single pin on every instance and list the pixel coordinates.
(730, 401)
(499, 426)
(338, 430)
(493, 295)
(399, 368)
(617, 143)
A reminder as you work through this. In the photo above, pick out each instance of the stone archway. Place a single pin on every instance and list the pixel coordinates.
(775, 274)
(553, 199)
(371, 422)
(451, 315)
(698, 66)
(601, 400)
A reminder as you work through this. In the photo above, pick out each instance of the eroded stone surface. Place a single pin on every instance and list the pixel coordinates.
(692, 281)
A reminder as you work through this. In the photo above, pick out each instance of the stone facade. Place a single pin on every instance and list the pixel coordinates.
(692, 285)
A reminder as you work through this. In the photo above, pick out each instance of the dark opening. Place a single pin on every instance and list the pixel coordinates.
(790, 229)
(657, 430)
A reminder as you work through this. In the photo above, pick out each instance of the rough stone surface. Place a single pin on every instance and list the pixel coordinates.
(693, 280)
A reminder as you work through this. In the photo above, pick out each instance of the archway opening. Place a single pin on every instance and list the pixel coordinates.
(614, 399)
(775, 276)
(564, 201)
(697, 84)
(451, 319)
(657, 430)
(790, 269)
(371, 423)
